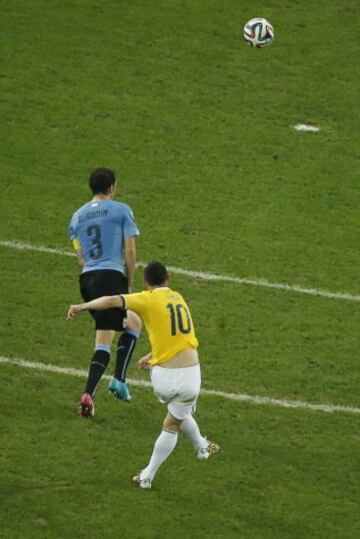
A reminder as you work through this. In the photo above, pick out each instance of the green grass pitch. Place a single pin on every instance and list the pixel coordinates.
(200, 129)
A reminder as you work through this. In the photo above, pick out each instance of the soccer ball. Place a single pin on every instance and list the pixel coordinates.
(258, 33)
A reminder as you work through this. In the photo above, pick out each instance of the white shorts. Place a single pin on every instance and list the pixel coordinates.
(179, 388)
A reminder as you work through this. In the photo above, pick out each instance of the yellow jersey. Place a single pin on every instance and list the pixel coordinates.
(167, 320)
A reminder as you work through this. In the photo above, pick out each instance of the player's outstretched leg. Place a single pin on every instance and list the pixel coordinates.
(204, 447)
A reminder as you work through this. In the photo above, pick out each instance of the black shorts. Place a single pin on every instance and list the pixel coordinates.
(105, 282)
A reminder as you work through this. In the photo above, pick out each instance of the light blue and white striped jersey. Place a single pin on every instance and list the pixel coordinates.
(99, 229)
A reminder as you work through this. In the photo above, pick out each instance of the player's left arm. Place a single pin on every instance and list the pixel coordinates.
(143, 362)
(130, 231)
(130, 259)
(98, 304)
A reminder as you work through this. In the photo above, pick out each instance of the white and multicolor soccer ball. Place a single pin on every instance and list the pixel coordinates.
(258, 33)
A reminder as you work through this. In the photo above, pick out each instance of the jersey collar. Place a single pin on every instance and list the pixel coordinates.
(160, 288)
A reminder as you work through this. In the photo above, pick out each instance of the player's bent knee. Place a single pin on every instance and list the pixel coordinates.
(104, 336)
(171, 423)
(134, 321)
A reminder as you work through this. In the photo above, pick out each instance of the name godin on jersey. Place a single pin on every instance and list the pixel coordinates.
(92, 215)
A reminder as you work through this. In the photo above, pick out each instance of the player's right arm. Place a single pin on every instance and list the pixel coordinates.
(79, 255)
(98, 304)
(75, 241)
(136, 302)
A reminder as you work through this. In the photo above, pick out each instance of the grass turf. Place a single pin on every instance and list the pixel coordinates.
(70, 477)
(199, 128)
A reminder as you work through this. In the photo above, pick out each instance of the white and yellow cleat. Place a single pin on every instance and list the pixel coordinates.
(142, 483)
(211, 449)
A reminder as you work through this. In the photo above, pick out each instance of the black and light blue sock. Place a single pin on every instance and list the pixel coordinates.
(126, 346)
(98, 365)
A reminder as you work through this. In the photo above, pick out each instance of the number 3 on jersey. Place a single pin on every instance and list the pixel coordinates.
(179, 318)
(94, 231)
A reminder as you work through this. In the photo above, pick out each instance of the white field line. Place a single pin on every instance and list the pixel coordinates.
(306, 127)
(202, 275)
(253, 399)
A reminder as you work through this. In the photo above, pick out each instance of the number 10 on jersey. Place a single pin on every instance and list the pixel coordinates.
(179, 318)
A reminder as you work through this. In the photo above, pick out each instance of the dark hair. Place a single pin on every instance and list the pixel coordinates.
(101, 180)
(155, 273)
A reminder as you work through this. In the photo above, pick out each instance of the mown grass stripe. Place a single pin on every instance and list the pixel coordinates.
(253, 399)
(203, 275)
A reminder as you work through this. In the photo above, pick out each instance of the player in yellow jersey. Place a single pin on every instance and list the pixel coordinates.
(173, 361)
